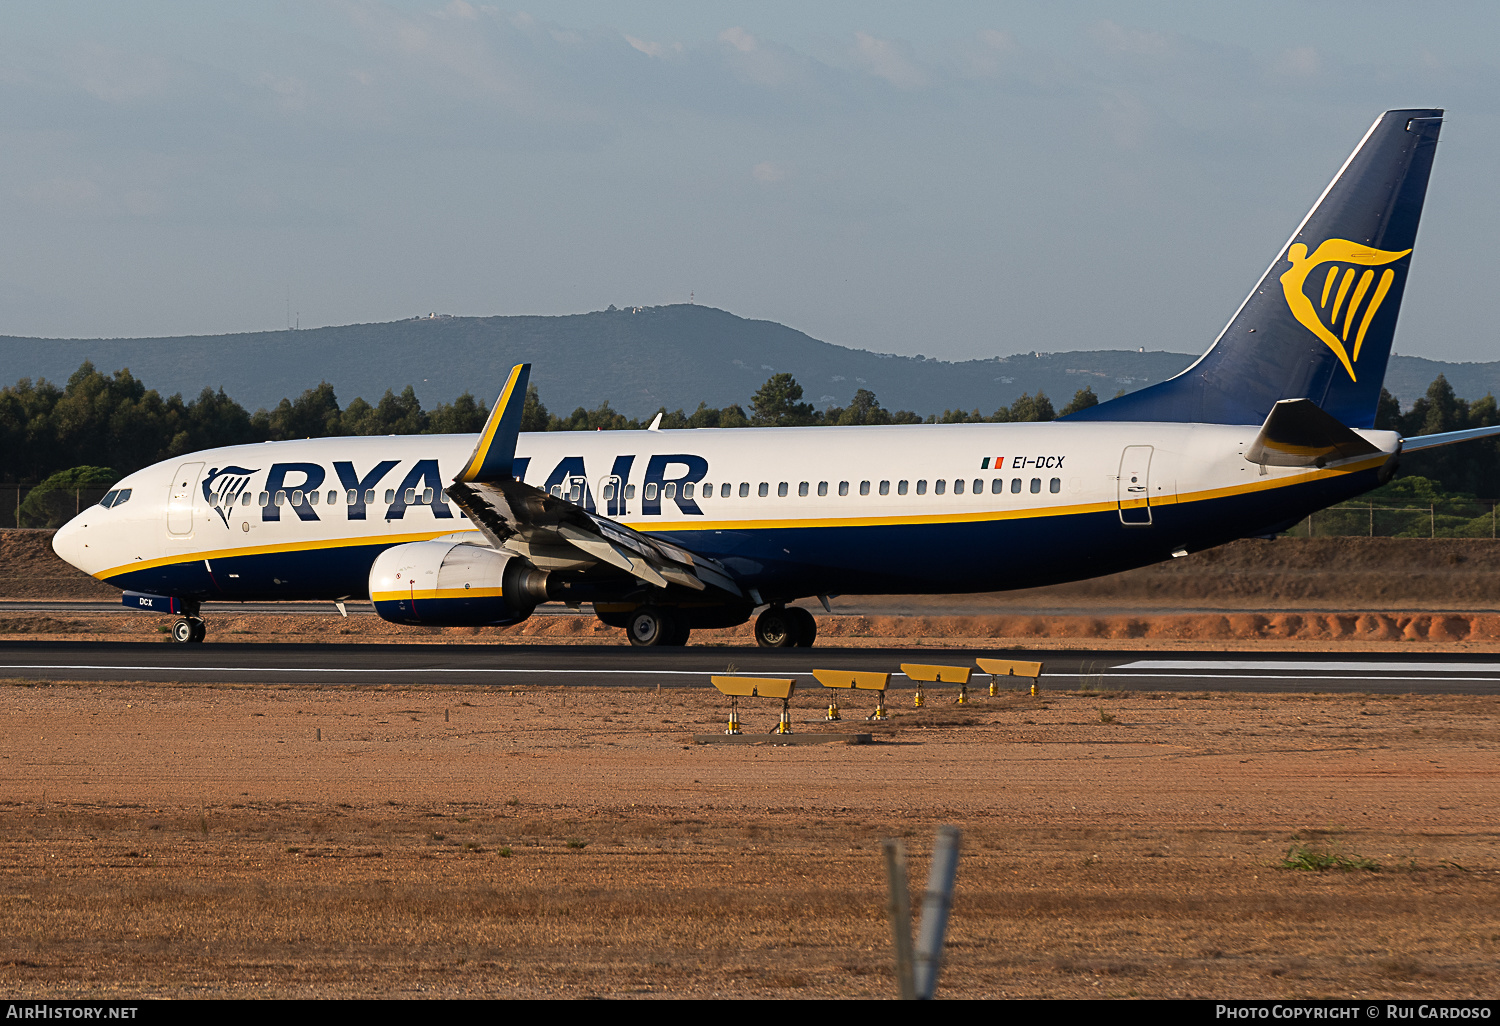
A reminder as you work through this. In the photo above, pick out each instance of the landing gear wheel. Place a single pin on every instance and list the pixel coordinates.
(653, 627)
(806, 626)
(775, 629)
(189, 630)
(680, 631)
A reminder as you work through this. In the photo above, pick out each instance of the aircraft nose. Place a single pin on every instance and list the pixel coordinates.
(69, 543)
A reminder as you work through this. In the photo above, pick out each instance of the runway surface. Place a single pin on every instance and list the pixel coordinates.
(907, 606)
(336, 665)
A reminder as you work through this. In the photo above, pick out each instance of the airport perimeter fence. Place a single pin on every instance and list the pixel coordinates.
(54, 509)
(1436, 520)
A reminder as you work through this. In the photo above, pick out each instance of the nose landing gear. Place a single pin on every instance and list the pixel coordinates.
(189, 630)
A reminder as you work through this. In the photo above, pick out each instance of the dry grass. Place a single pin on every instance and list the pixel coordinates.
(182, 841)
(369, 903)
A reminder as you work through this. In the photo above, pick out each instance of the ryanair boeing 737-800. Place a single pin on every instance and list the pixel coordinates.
(666, 531)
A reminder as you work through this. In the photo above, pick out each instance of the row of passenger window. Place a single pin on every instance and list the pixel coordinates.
(804, 488)
(351, 498)
(668, 491)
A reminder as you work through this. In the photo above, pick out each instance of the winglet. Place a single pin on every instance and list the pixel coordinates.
(497, 442)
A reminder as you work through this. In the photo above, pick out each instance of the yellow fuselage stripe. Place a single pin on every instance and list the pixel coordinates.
(263, 550)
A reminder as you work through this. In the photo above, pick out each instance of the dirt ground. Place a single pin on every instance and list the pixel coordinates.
(1375, 594)
(274, 841)
(1391, 574)
(1311, 632)
(171, 841)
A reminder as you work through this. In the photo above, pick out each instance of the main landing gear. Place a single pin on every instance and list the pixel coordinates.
(660, 626)
(655, 626)
(785, 627)
(189, 631)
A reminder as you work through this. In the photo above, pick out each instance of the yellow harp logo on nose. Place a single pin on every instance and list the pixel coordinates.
(1341, 293)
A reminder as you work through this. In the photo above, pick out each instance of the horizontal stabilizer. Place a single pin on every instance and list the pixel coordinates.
(1447, 438)
(1300, 434)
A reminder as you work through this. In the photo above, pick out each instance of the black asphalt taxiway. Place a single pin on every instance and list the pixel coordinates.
(332, 665)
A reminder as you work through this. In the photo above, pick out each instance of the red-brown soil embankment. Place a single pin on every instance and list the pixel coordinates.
(1320, 573)
(1375, 593)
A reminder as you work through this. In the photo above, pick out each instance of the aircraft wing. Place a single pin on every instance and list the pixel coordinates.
(519, 516)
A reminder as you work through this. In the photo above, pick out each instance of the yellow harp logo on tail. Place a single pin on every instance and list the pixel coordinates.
(1343, 298)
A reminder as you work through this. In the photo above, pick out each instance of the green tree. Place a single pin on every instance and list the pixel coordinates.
(393, 415)
(534, 416)
(864, 408)
(214, 419)
(464, 415)
(28, 437)
(776, 404)
(1082, 400)
(733, 417)
(1472, 467)
(56, 500)
(1387, 412)
(315, 414)
(704, 417)
(1032, 408)
(601, 418)
(116, 419)
(359, 418)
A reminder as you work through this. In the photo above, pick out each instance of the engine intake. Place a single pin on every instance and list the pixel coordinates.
(454, 584)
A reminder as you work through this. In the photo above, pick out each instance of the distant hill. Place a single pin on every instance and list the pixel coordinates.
(638, 359)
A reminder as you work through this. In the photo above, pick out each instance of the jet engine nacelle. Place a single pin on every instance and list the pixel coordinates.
(454, 584)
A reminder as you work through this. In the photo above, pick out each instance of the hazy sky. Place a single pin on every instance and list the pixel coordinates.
(966, 181)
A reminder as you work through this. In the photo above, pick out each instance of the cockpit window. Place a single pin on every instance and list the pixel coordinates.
(109, 499)
(116, 497)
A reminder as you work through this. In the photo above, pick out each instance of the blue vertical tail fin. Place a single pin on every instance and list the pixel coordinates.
(1320, 324)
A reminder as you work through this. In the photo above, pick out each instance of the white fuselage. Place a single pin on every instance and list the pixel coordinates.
(790, 510)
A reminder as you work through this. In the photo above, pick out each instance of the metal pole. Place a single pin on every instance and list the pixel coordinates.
(898, 906)
(1432, 520)
(935, 905)
(1372, 520)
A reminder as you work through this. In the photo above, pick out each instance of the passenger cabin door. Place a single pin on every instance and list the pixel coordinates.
(1135, 486)
(180, 499)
